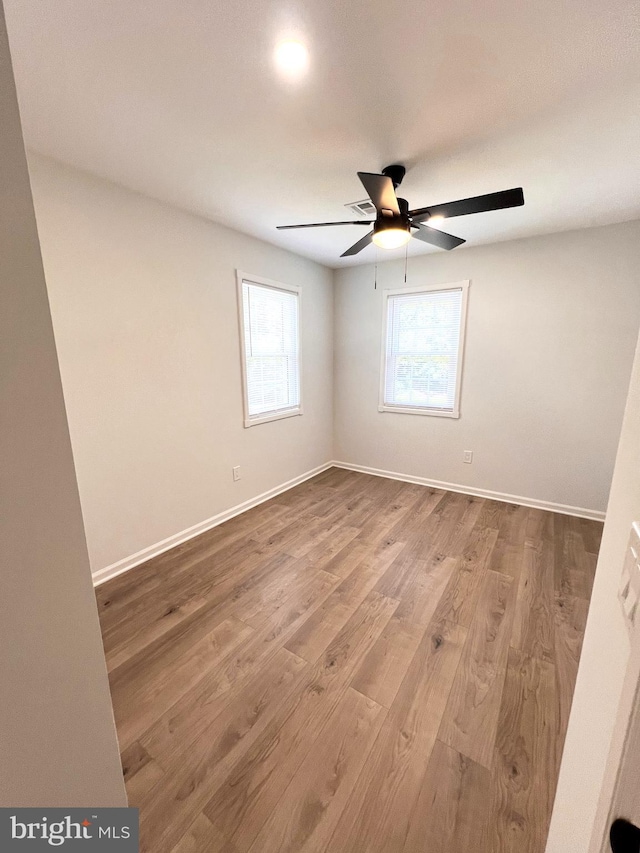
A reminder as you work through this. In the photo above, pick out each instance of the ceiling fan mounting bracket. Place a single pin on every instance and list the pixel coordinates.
(396, 173)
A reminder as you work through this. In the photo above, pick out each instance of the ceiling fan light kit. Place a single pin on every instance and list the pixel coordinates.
(391, 233)
(394, 221)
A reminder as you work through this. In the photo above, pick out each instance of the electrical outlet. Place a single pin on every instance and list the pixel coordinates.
(467, 456)
(236, 473)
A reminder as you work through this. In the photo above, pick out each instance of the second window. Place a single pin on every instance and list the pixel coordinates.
(423, 341)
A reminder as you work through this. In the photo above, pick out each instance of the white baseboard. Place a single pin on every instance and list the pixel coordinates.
(103, 575)
(134, 560)
(578, 511)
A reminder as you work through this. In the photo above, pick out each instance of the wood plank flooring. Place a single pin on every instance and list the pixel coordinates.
(359, 665)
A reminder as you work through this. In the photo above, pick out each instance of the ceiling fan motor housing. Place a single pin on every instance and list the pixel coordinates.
(386, 219)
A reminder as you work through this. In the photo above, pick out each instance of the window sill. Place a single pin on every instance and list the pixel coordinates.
(414, 410)
(273, 416)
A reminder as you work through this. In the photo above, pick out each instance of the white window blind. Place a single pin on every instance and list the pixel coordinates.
(270, 319)
(423, 350)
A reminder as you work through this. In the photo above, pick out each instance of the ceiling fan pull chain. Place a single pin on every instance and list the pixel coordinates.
(406, 255)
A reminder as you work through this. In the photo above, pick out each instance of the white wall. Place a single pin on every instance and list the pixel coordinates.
(143, 298)
(599, 699)
(58, 742)
(551, 331)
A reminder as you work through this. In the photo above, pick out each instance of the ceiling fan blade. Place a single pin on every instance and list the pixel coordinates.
(477, 204)
(359, 246)
(380, 190)
(436, 237)
(322, 224)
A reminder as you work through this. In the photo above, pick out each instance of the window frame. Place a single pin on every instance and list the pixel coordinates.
(424, 410)
(276, 415)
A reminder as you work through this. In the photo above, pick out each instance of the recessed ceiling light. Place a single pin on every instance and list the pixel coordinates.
(291, 59)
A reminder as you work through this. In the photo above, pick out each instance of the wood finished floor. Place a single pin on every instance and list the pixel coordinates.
(357, 666)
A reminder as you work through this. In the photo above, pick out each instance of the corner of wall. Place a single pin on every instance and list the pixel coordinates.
(334, 383)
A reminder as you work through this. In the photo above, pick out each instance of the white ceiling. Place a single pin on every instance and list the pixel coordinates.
(179, 99)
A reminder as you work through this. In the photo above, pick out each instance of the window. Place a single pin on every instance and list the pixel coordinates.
(270, 343)
(423, 339)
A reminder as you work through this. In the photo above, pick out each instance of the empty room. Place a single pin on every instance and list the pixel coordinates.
(320, 426)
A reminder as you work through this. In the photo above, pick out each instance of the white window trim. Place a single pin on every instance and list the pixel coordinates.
(276, 285)
(415, 410)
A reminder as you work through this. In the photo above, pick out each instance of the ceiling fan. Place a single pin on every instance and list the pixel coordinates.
(395, 224)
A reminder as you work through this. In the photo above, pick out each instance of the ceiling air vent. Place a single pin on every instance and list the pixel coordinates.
(366, 209)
